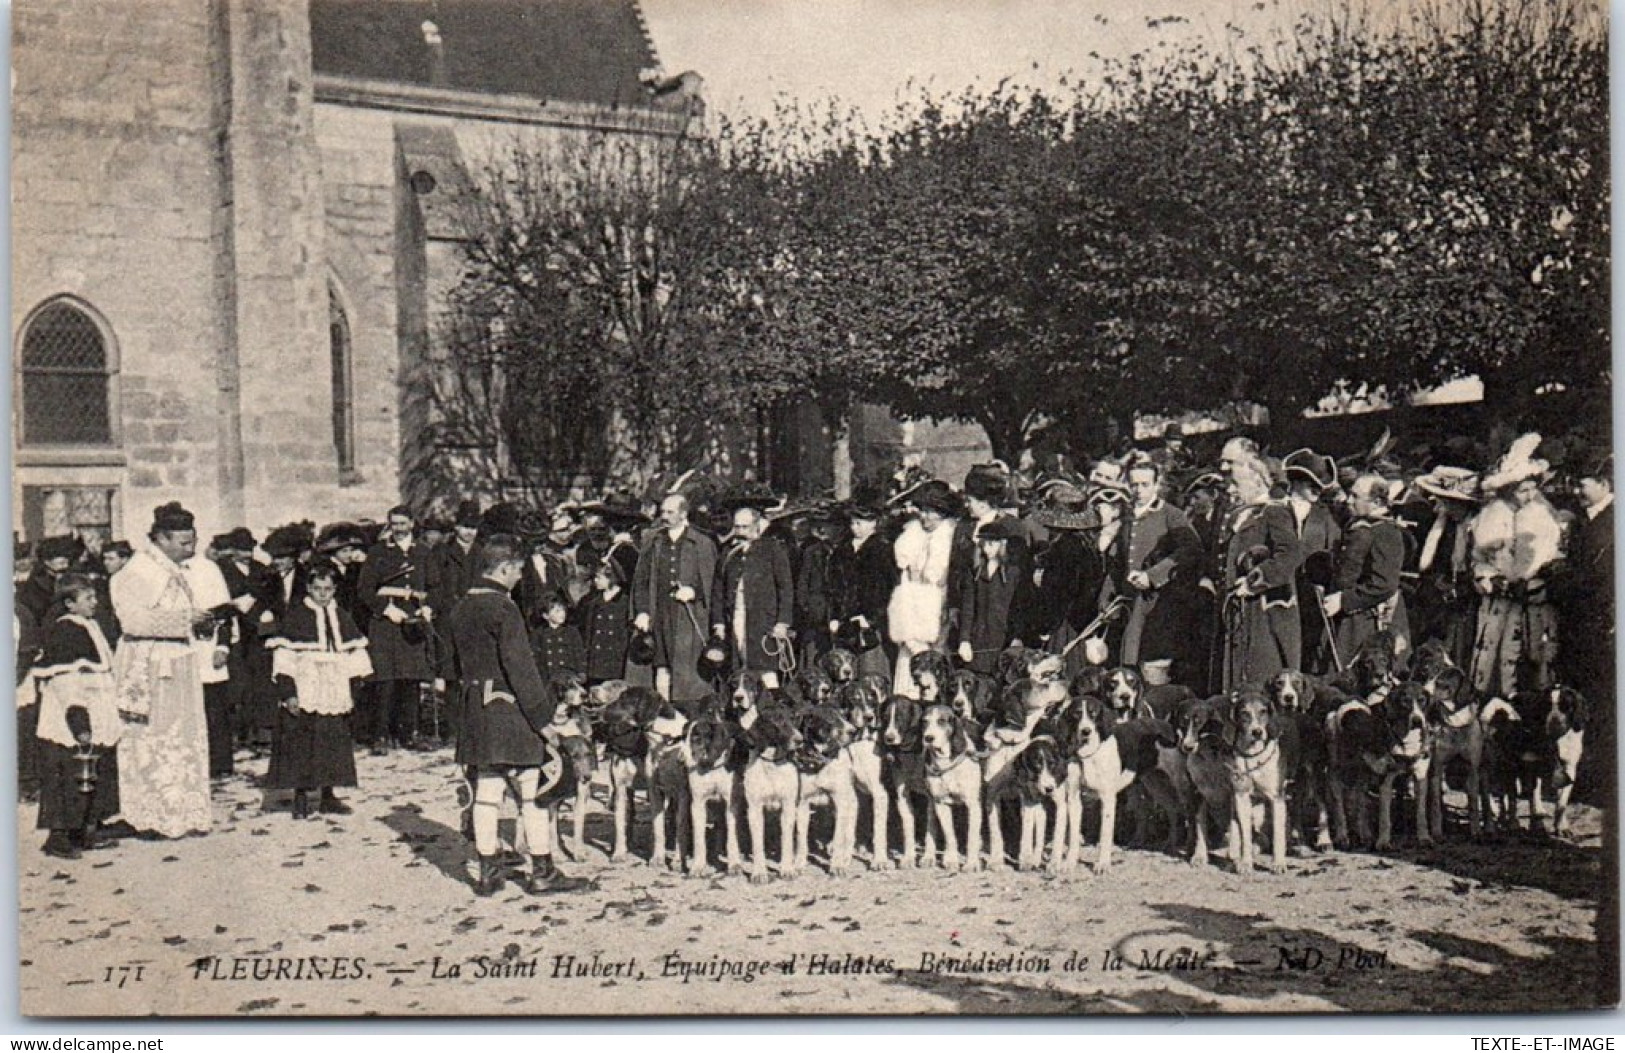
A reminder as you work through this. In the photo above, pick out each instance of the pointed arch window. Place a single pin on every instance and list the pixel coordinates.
(338, 334)
(67, 366)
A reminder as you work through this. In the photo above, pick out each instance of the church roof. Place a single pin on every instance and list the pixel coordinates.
(579, 50)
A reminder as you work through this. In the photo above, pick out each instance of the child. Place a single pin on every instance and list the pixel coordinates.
(605, 616)
(79, 725)
(556, 644)
(316, 653)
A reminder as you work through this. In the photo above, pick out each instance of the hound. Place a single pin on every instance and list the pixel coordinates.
(708, 754)
(903, 767)
(1109, 756)
(1458, 733)
(862, 701)
(952, 777)
(770, 781)
(665, 772)
(1262, 752)
(826, 778)
(1377, 743)
(619, 721)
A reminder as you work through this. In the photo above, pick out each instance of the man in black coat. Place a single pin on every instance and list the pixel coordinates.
(53, 557)
(753, 602)
(394, 590)
(862, 575)
(507, 707)
(1585, 597)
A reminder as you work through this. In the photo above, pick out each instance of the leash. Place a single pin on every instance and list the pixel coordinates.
(1245, 765)
(784, 651)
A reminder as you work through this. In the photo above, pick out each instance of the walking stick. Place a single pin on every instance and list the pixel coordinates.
(1326, 623)
(1113, 609)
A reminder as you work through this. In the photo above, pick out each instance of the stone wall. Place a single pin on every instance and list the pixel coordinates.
(359, 191)
(115, 192)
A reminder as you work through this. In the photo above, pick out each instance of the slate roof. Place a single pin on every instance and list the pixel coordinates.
(579, 50)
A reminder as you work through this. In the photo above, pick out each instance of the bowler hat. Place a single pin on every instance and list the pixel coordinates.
(468, 514)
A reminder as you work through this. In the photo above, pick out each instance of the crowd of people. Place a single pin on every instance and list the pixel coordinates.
(145, 672)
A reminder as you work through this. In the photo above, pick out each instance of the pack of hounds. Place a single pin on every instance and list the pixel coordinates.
(1170, 770)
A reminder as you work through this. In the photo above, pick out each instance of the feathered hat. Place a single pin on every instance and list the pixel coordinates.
(1520, 463)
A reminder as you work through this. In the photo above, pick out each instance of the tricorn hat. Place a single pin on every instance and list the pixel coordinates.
(1313, 468)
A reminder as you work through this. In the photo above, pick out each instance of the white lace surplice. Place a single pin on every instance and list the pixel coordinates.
(164, 763)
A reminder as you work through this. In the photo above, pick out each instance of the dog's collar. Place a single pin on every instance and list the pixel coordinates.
(1246, 764)
(1461, 716)
(935, 767)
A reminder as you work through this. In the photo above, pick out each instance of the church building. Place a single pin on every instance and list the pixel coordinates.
(231, 234)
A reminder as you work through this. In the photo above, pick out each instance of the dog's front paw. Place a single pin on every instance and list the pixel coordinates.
(951, 861)
(789, 870)
(1101, 866)
(759, 876)
(1383, 844)
(840, 870)
(735, 868)
(906, 861)
(1425, 838)
(701, 870)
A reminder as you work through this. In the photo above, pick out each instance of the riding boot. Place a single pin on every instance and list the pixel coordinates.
(547, 879)
(490, 879)
(331, 805)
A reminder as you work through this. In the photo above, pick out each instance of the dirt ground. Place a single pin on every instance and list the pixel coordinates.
(373, 914)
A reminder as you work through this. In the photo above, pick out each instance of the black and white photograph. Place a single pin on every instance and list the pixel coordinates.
(666, 508)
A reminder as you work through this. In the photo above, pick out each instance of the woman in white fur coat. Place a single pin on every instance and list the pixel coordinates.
(1516, 536)
(916, 617)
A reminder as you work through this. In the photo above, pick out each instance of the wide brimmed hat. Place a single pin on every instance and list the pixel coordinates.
(63, 546)
(240, 539)
(1000, 528)
(1456, 484)
(435, 525)
(1519, 464)
(616, 508)
(336, 536)
(1062, 493)
(1058, 519)
(846, 511)
(1314, 468)
(988, 482)
(290, 540)
(760, 498)
(933, 495)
